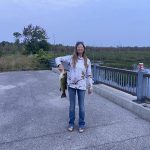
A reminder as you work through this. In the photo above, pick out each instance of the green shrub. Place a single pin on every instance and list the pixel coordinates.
(43, 57)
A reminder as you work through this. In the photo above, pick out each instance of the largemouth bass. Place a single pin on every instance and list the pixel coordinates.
(63, 83)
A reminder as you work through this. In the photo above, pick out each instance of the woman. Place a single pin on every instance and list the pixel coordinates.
(79, 78)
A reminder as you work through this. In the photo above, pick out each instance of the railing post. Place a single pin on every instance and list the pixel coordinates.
(95, 73)
(140, 85)
(139, 89)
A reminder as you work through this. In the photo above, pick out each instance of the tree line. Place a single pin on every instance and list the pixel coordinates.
(33, 38)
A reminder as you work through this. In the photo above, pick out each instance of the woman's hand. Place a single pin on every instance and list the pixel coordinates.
(61, 68)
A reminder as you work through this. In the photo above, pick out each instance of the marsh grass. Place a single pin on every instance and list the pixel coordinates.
(18, 62)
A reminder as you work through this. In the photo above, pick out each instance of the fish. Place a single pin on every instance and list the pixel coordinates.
(63, 83)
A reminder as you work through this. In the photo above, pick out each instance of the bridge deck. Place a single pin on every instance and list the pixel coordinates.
(34, 117)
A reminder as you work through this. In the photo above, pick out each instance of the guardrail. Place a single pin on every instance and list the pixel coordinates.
(121, 79)
(133, 82)
(52, 63)
(146, 86)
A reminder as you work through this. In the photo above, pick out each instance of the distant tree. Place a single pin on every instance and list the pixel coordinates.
(44, 45)
(4, 43)
(17, 36)
(35, 38)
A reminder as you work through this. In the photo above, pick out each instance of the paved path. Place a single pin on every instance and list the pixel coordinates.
(34, 117)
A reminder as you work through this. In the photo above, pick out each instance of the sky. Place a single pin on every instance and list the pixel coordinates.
(95, 22)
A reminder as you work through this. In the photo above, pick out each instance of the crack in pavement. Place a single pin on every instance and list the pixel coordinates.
(56, 133)
(120, 141)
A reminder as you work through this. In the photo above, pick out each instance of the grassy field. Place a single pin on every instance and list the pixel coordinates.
(126, 59)
(21, 62)
(121, 59)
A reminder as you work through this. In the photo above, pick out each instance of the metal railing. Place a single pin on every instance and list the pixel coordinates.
(121, 79)
(146, 86)
(133, 82)
(52, 63)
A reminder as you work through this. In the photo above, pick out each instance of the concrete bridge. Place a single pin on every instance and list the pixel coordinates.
(34, 117)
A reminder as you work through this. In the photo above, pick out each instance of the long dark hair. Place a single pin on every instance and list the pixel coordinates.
(75, 54)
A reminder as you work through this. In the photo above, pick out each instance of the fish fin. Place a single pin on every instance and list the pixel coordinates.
(63, 95)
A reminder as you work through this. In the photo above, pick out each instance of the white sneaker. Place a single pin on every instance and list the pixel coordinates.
(81, 130)
(70, 128)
